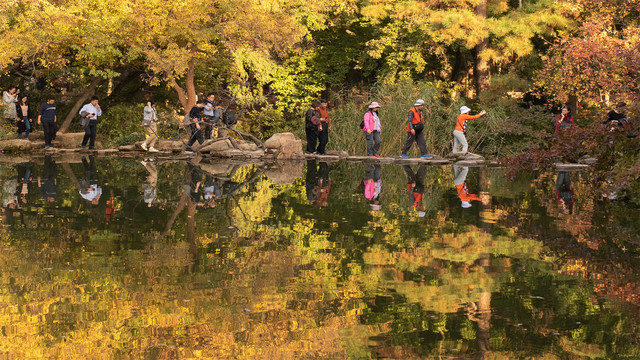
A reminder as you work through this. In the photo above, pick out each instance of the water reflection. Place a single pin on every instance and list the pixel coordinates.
(263, 274)
(318, 183)
(564, 192)
(373, 185)
(48, 182)
(415, 188)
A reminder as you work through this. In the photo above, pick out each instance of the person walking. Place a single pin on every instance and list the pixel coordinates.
(47, 118)
(150, 123)
(323, 135)
(415, 125)
(461, 128)
(415, 188)
(372, 129)
(24, 121)
(460, 182)
(9, 100)
(91, 110)
(312, 127)
(195, 126)
(211, 115)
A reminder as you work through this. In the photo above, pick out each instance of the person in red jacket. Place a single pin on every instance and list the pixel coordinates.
(564, 120)
(461, 128)
(415, 188)
(460, 181)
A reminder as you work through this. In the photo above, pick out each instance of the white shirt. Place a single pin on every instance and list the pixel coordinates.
(91, 110)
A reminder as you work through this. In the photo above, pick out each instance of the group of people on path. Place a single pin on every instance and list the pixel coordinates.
(17, 110)
(372, 128)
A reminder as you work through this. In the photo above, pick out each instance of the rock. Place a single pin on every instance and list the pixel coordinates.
(218, 168)
(15, 145)
(169, 145)
(285, 172)
(339, 153)
(218, 147)
(291, 150)
(128, 148)
(70, 140)
(277, 141)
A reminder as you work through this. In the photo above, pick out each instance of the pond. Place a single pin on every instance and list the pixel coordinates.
(111, 257)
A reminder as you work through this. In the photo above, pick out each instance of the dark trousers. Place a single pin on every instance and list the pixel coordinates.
(207, 126)
(49, 129)
(323, 139)
(312, 138)
(419, 139)
(373, 142)
(196, 135)
(90, 134)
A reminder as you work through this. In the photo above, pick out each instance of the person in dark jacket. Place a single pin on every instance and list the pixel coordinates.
(24, 120)
(47, 117)
(313, 126)
(195, 126)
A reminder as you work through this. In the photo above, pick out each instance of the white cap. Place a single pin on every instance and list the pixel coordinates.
(465, 204)
(419, 102)
(421, 213)
(464, 110)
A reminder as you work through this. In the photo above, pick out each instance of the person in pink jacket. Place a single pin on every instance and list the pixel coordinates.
(372, 129)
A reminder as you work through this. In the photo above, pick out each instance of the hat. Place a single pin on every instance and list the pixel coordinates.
(374, 105)
(464, 110)
(419, 102)
(375, 207)
(465, 204)
(421, 213)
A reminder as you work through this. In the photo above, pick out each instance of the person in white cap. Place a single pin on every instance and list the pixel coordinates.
(414, 131)
(461, 128)
(372, 129)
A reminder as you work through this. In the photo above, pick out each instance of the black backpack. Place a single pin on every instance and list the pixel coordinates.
(229, 118)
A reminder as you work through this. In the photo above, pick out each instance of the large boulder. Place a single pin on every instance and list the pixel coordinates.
(277, 141)
(15, 145)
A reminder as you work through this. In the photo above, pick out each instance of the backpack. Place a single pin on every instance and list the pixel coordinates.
(362, 125)
(229, 118)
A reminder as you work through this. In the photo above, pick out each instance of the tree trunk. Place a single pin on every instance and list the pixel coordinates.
(481, 65)
(74, 110)
(573, 104)
(187, 98)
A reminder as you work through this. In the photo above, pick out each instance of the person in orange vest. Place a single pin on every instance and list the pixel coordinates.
(414, 131)
(461, 128)
(460, 181)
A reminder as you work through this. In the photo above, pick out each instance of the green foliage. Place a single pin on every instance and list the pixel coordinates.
(121, 123)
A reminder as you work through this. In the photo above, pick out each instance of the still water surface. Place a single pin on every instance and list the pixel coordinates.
(120, 259)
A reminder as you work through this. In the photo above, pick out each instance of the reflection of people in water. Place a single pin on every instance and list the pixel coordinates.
(460, 181)
(564, 192)
(373, 185)
(211, 190)
(318, 183)
(415, 187)
(195, 188)
(89, 189)
(8, 191)
(149, 188)
(24, 178)
(48, 182)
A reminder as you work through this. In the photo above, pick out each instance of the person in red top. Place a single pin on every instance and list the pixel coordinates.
(461, 128)
(564, 120)
(414, 131)
(460, 181)
(323, 135)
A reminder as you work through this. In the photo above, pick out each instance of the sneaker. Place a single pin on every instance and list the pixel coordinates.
(188, 151)
(152, 149)
(376, 155)
(426, 156)
(404, 156)
(144, 146)
(92, 147)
